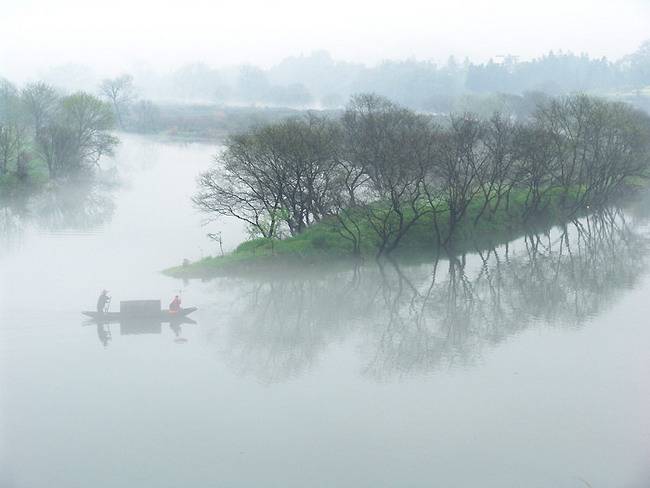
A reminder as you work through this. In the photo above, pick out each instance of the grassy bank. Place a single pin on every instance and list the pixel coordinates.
(324, 241)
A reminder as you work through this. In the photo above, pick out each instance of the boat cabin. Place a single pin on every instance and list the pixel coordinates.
(140, 308)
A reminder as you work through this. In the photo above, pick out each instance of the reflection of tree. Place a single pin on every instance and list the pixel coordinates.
(420, 318)
(281, 325)
(11, 227)
(81, 205)
(562, 277)
(572, 276)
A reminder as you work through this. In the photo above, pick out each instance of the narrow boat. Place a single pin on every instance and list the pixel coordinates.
(149, 310)
(160, 315)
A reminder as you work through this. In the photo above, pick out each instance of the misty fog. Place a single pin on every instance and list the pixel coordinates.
(350, 244)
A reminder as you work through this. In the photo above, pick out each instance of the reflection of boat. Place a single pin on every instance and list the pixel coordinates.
(160, 316)
(139, 325)
(152, 325)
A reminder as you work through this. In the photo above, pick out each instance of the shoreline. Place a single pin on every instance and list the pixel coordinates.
(321, 243)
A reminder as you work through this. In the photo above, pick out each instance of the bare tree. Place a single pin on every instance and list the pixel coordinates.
(55, 145)
(279, 174)
(12, 127)
(40, 102)
(146, 116)
(9, 102)
(598, 145)
(458, 165)
(499, 176)
(239, 194)
(537, 162)
(389, 147)
(305, 150)
(381, 169)
(120, 93)
(12, 141)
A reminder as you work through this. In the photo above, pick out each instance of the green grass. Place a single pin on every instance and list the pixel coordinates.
(323, 241)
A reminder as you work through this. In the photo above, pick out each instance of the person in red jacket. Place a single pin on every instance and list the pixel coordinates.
(175, 305)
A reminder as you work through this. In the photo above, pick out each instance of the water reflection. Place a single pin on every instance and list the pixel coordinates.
(79, 206)
(416, 319)
(138, 327)
(83, 207)
(12, 227)
(104, 334)
(562, 277)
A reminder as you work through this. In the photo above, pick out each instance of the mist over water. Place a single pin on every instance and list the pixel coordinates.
(522, 364)
(111, 36)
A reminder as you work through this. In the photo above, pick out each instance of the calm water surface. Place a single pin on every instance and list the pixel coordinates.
(525, 365)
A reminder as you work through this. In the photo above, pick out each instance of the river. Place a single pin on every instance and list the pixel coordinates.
(525, 365)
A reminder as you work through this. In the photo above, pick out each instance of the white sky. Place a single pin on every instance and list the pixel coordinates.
(114, 35)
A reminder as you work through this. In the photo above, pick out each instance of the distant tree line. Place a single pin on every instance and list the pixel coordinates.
(42, 128)
(379, 169)
(185, 98)
(318, 80)
(131, 112)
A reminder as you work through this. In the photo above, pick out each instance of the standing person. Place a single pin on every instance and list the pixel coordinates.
(102, 301)
(175, 305)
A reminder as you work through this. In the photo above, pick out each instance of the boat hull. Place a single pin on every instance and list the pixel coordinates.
(162, 316)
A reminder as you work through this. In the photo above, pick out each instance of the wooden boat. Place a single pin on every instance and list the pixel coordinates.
(159, 315)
